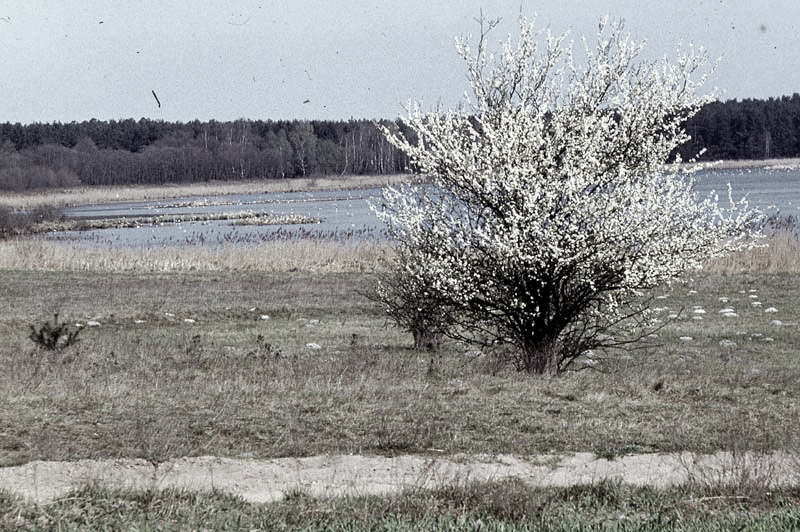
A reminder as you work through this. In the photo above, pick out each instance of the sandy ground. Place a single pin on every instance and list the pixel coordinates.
(268, 480)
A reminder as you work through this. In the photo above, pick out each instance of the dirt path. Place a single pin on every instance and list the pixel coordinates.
(269, 480)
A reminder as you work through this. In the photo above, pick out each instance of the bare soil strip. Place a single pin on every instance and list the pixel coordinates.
(261, 481)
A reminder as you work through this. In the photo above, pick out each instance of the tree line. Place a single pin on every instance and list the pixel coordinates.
(746, 129)
(147, 151)
(123, 152)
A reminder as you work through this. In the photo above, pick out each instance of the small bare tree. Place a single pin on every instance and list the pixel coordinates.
(413, 303)
(550, 207)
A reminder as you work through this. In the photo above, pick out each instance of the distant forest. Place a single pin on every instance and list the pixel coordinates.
(146, 151)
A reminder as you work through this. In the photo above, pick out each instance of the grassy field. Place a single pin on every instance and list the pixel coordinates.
(275, 351)
(187, 363)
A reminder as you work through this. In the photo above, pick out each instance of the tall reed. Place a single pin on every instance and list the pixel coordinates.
(781, 254)
(305, 255)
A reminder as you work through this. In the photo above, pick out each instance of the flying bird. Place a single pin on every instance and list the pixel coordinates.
(156, 97)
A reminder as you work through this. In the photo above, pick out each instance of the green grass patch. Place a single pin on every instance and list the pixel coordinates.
(509, 505)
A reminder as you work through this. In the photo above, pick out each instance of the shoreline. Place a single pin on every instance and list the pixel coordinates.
(84, 195)
(754, 163)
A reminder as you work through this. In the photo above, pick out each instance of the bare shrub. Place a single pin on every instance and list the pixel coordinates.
(20, 221)
(54, 336)
(411, 300)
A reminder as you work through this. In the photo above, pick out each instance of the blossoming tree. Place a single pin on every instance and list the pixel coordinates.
(550, 206)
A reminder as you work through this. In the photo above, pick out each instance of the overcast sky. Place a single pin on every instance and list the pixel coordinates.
(65, 60)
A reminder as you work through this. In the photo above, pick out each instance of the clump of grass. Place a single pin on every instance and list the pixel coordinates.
(54, 336)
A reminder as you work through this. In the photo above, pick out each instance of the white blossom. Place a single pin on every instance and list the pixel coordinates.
(550, 206)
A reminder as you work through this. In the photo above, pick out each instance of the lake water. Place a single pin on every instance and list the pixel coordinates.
(343, 215)
(346, 215)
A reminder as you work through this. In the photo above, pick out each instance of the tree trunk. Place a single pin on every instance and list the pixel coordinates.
(540, 356)
(425, 340)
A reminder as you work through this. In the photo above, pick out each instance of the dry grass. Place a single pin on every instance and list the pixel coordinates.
(758, 163)
(744, 163)
(781, 254)
(184, 362)
(147, 383)
(38, 254)
(96, 195)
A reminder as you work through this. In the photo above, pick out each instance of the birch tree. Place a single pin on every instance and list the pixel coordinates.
(550, 207)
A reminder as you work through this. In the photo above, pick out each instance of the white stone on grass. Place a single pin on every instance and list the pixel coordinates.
(755, 303)
(776, 323)
(264, 317)
(730, 315)
(93, 323)
(699, 311)
(686, 338)
(771, 310)
(313, 347)
(723, 300)
(188, 320)
(726, 311)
